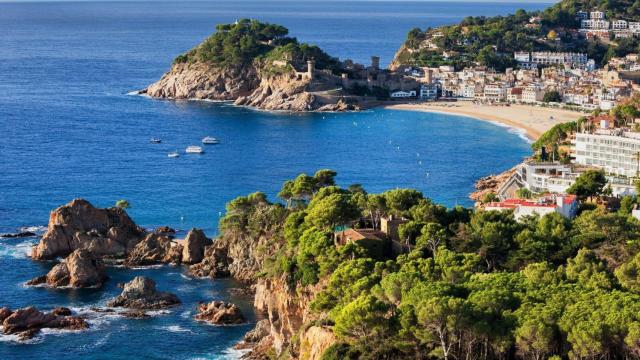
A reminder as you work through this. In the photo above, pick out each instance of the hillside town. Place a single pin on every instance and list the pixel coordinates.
(566, 80)
(561, 79)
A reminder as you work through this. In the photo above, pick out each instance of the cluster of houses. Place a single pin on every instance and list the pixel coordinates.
(597, 145)
(595, 23)
(575, 79)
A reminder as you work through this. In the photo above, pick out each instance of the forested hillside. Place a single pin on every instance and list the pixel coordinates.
(491, 41)
(475, 284)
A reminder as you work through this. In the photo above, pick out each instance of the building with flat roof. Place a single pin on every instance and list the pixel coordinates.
(565, 205)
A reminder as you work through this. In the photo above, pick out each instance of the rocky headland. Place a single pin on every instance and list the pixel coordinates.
(272, 71)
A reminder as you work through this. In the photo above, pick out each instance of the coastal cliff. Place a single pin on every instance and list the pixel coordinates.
(205, 82)
(256, 65)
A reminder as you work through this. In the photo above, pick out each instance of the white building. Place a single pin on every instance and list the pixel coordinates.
(594, 25)
(616, 151)
(532, 94)
(597, 15)
(619, 25)
(582, 15)
(429, 91)
(522, 56)
(495, 92)
(559, 58)
(565, 205)
(634, 27)
(399, 94)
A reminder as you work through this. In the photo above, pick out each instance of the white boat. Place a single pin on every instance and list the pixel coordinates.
(155, 141)
(194, 150)
(173, 154)
(210, 140)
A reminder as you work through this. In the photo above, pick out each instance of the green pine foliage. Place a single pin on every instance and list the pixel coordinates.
(241, 43)
(475, 284)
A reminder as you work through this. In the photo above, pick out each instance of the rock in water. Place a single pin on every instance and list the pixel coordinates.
(141, 293)
(79, 225)
(80, 269)
(5, 312)
(220, 313)
(155, 249)
(262, 329)
(215, 263)
(194, 245)
(28, 321)
(18, 234)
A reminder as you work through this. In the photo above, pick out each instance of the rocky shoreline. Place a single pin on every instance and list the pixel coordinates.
(89, 239)
(247, 86)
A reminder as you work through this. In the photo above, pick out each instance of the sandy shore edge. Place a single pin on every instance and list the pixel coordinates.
(533, 120)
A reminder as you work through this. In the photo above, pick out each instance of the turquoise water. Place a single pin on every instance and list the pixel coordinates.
(69, 129)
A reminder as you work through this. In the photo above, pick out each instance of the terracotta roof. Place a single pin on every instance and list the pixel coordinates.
(360, 234)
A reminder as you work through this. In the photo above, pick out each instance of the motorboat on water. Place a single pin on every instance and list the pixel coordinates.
(155, 140)
(210, 140)
(193, 149)
(173, 154)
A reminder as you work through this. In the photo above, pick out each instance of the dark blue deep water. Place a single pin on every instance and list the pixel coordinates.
(68, 129)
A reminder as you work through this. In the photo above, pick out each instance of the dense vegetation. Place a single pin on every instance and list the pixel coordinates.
(492, 41)
(246, 40)
(474, 285)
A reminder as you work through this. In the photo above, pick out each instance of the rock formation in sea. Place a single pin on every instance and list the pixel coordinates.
(140, 293)
(80, 269)
(155, 249)
(193, 246)
(220, 313)
(80, 225)
(27, 322)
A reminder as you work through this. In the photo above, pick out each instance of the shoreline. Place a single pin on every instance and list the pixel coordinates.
(520, 117)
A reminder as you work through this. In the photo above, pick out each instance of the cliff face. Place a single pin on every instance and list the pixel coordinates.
(249, 85)
(204, 82)
(288, 311)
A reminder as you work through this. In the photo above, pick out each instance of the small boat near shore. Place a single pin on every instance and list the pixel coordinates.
(173, 154)
(208, 140)
(155, 140)
(193, 149)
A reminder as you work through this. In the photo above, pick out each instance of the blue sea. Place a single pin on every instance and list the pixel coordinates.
(69, 128)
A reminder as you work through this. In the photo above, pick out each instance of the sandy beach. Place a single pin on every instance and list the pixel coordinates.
(532, 119)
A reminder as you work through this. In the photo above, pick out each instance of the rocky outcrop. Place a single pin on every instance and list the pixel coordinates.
(155, 248)
(491, 184)
(194, 246)
(80, 225)
(251, 85)
(236, 256)
(262, 329)
(20, 234)
(204, 82)
(215, 263)
(287, 310)
(314, 341)
(220, 313)
(28, 321)
(80, 269)
(141, 293)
